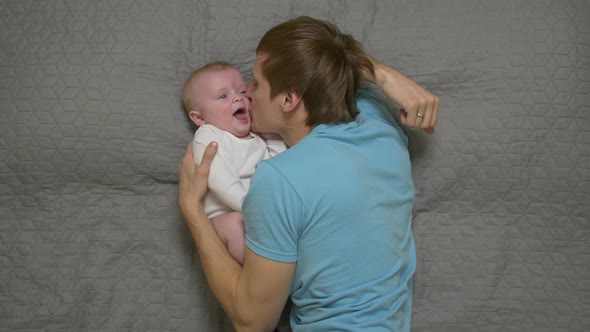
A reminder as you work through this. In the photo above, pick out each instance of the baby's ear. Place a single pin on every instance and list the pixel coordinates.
(196, 118)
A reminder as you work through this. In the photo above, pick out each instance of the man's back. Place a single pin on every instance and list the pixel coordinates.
(339, 203)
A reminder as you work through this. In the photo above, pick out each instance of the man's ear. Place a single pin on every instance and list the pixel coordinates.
(196, 118)
(290, 101)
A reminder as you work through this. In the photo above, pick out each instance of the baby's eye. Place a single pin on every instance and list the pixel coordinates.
(243, 92)
(221, 97)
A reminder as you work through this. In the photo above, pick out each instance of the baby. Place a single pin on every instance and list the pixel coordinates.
(214, 97)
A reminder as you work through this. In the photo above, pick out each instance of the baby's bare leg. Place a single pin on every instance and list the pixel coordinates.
(230, 229)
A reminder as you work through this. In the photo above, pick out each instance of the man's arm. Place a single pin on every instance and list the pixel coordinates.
(420, 107)
(253, 295)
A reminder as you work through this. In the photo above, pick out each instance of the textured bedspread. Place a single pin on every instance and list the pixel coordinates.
(92, 132)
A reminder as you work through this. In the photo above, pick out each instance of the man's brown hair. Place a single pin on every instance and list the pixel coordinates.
(314, 59)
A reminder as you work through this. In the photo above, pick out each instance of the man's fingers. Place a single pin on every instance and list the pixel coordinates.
(188, 155)
(422, 115)
(187, 160)
(208, 156)
(435, 112)
(192, 180)
(430, 122)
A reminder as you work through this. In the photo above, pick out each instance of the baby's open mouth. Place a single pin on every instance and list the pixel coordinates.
(241, 114)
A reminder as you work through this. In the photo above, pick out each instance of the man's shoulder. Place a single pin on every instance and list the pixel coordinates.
(296, 165)
(371, 106)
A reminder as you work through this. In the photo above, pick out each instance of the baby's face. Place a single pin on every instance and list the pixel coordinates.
(221, 101)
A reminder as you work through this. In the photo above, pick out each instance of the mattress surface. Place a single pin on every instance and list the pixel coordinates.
(92, 133)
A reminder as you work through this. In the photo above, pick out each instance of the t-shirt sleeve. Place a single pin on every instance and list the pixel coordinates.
(369, 105)
(273, 213)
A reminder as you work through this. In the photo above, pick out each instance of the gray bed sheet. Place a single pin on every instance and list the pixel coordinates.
(92, 132)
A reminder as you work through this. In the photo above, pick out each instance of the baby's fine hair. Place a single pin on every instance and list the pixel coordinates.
(211, 66)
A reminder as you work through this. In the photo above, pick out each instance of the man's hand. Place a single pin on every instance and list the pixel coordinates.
(192, 181)
(419, 107)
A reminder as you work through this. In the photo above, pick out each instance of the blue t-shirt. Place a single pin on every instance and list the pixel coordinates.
(339, 204)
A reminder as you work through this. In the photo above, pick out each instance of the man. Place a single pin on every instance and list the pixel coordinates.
(328, 221)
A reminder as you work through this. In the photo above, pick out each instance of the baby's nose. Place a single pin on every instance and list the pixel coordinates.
(238, 98)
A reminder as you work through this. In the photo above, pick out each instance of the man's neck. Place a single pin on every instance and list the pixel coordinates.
(295, 126)
(293, 135)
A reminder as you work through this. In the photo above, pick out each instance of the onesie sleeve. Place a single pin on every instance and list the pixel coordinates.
(275, 146)
(273, 213)
(224, 180)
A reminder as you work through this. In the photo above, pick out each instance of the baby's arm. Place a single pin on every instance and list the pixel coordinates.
(275, 146)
